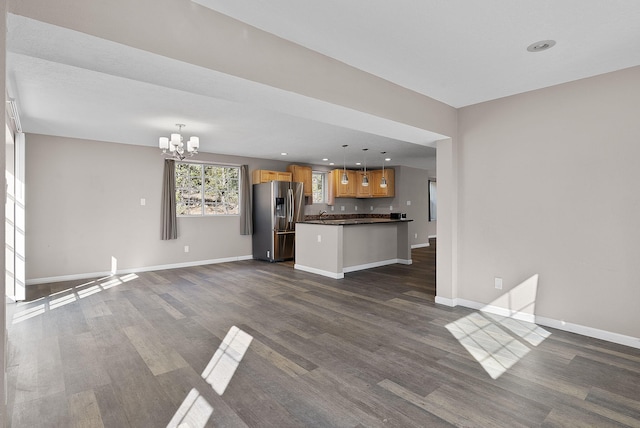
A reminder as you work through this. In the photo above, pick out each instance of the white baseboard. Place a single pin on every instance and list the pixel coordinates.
(621, 339)
(375, 264)
(420, 245)
(102, 274)
(326, 273)
(432, 237)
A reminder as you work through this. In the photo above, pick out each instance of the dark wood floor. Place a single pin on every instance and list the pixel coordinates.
(371, 350)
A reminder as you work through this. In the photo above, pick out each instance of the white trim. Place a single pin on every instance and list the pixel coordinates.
(633, 342)
(420, 245)
(431, 237)
(90, 275)
(446, 302)
(375, 264)
(326, 273)
(621, 339)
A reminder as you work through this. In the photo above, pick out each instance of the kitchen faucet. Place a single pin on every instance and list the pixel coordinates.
(322, 212)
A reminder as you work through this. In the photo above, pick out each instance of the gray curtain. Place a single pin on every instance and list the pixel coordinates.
(246, 216)
(169, 218)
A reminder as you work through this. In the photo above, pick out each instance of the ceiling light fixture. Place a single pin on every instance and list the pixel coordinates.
(175, 144)
(540, 46)
(365, 179)
(383, 180)
(345, 177)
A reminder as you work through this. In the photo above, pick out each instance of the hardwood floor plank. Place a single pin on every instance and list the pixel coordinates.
(82, 370)
(84, 411)
(370, 350)
(158, 357)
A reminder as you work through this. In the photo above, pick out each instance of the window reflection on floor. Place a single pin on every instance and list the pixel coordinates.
(226, 359)
(497, 341)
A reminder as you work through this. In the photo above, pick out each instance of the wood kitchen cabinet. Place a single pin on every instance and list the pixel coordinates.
(303, 175)
(374, 183)
(265, 176)
(363, 191)
(339, 190)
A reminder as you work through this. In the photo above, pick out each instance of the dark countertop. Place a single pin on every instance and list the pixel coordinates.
(352, 221)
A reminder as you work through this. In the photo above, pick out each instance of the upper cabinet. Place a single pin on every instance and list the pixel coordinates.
(363, 191)
(303, 175)
(339, 190)
(355, 189)
(375, 179)
(265, 176)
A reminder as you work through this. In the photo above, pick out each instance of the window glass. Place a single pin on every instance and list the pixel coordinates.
(318, 180)
(432, 201)
(206, 190)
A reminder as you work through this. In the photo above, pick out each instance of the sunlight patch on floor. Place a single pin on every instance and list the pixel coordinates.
(494, 336)
(67, 296)
(226, 359)
(194, 412)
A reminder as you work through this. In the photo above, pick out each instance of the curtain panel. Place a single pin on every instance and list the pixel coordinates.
(169, 217)
(246, 211)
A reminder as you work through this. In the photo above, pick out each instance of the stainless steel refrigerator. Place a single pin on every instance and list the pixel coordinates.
(277, 206)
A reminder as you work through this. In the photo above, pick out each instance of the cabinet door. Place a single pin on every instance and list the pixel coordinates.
(363, 191)
(376, 180)
(302, 174)
(282, 176)
(344, 190)
(265, 176)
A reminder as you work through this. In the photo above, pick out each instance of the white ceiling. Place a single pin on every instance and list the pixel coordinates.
(459, 52)
(71, 84)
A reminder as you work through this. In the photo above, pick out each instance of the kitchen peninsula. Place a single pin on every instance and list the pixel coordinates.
(334, 246)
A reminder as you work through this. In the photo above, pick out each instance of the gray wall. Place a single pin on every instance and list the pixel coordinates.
(548, 185)
(83, 208)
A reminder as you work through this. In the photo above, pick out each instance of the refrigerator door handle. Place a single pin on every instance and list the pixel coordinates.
(290, 194)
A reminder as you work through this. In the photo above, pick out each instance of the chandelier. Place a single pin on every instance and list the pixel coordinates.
(174, 146)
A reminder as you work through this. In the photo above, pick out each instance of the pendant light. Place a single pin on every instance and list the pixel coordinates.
(345, 177)
(383, 181)
(365, 179)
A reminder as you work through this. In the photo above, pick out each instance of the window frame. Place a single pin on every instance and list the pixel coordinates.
(204, 165)
(433, 199)
(324, 187)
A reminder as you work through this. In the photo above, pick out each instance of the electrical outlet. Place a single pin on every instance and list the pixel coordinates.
(356, 208)
(143, 202)
(186, 248)
(341, 207)
(319, 238)
(390, 207)
(408, 203)
(498, 283)
(416, 236)
(371, 208)
(332, 207)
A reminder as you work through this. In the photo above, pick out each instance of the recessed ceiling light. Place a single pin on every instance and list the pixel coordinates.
(387, 159)
(540, 46)
(283, 154)
(325, 159)
(358, 163)
(331, 163)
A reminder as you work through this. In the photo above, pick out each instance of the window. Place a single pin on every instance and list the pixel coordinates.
(205, 190)
(432, 201)
(318, 180)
